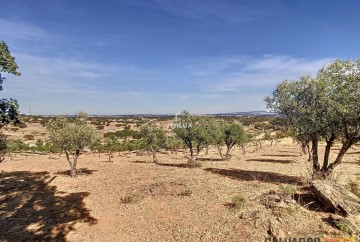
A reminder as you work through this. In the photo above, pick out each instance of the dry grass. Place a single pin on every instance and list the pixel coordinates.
(132, 200)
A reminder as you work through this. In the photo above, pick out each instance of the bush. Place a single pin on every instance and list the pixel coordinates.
(288, 190)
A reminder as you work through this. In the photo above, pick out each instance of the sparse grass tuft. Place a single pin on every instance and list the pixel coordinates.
(344, 226)
(288, 190)
(238, 202)
(185, 193)
(354, 187)
(128, 198)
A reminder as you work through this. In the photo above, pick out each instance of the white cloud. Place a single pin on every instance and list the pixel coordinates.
(21, 31)
(235, 74)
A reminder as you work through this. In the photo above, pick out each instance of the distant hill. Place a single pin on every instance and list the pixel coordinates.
(230, 114)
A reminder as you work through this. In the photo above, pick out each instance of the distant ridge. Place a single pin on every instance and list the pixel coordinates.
(250, 113)
(230, 114)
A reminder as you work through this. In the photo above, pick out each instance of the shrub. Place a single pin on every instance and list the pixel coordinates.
(344, 226)
(288, 190)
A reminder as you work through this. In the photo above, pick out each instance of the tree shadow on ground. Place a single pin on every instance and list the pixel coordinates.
(210, 159)
(174, 165)
(288, 151)
(244, 175)
(79, 172)
(273, 161)
(353, 152)
(280, 155)
(32, 210)
(142, 162)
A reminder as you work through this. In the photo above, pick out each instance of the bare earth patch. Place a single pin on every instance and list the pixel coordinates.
(132, 199)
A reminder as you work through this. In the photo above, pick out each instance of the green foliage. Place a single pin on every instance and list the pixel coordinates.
(154, 137)
(122, 134)
(3, 146)
(15, 146)
(189, 129)
(234, 133)
(71, 136)
(288, 190)
(9, 112)
(8, 108)
(172, 143)
(7, 61)
(96, 146)
(344, 226)
(325, 107)
(111, 144)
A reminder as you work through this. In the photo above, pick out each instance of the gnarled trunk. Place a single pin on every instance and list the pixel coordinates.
(344, 148)
(220, 151)
(329, 144)
(73, 161)
(153, 151)
(315, 157)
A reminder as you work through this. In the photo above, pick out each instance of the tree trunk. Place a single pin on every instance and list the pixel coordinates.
(315, 157)
(191, 160)
(329, 144)
(344, 148)
(153, 151)
(207, 150)
(198, 149)
(228, 150)
(109, 160)
(99, 153)
(72, 162)
(220, 151)
(243, 148)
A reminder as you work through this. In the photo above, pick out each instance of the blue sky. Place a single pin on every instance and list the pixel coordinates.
(164, 56)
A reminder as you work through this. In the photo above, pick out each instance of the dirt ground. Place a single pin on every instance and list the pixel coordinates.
(132, 199)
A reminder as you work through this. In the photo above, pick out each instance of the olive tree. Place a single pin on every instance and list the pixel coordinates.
(194, 132)
(71, 137)
(322, 107)
(154, 137)
(3, 146)
(234, 134)
(96, 146)
(184, 129)
(110, 145)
